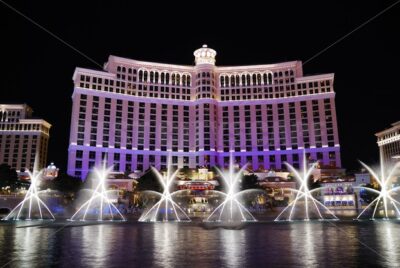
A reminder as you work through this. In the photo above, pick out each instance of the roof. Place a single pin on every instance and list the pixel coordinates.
(394, 127)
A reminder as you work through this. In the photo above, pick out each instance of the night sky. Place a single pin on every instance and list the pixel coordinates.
(37, 69)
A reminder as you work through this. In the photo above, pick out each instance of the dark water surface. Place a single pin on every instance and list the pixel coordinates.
(133, 244)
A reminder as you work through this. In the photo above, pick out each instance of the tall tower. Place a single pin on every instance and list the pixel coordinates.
(205, 94)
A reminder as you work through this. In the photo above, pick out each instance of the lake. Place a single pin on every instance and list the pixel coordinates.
(261, 244)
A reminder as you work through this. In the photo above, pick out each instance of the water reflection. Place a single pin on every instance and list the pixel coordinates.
(181, 245)
(165, 243)
(24, 247)
(389, 243)
(340, 242)
(233, 243)
(97, 241)
(303, 244)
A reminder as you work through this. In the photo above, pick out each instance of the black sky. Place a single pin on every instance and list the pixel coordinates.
(37, 69)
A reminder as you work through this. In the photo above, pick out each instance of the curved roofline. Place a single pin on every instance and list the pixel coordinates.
(117, 59)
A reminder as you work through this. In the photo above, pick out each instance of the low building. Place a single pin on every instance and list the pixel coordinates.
(322, 172)
(338, 193)
(199, 184)
(278, 186)
(121, 182)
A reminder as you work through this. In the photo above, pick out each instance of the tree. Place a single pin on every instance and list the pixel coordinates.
(8, 177)
(313, 184)
(249, 182)
(149, 181)
(64, 183)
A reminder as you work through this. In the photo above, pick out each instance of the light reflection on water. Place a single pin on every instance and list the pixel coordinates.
(302, 237)
(388, 241)
(233, 247)
(134, 244)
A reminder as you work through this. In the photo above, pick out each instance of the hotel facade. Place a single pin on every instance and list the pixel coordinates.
(137, 114)
(22, 137)
(389, 144)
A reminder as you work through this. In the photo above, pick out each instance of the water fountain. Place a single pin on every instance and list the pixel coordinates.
(231, 209)
(166, 209)
(32, 206)
(384, 194)
(304, 197)
(99, 206)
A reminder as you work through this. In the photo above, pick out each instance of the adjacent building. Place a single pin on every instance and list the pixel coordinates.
(137, 114)
(22, 137)
(389, 144)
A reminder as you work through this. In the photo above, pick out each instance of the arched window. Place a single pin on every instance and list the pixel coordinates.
(227, 81)
(237, 80)
(258, 79)
(167, 78)
(232, 81)
(248, 80)
(151, 77)
(221, 81)
(178, 79)
(291, 72)
(173, 79)
(140, 76)
(269, 78)
(145, 75)
(156, 77)
(254, 79)
(243, 80)
(265, 78)
(162, 78)
(123, 69)
(188, 80)
(184, 80)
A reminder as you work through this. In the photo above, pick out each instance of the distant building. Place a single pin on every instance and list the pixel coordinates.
(22, 137)
(389, 144)
(363, 178)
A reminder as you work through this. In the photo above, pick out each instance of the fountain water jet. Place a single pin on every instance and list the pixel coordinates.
(305, 194)
(37, 209)
(384, 194)
(166, 205)
(231, 209)
(99, 206)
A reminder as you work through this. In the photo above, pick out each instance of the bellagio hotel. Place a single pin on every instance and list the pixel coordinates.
(137, 114)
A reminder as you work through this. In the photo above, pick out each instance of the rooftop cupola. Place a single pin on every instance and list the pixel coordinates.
(205, 55)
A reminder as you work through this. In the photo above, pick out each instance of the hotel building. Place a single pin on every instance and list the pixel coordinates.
(22, 137)
(138, 113)
(389, 144)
